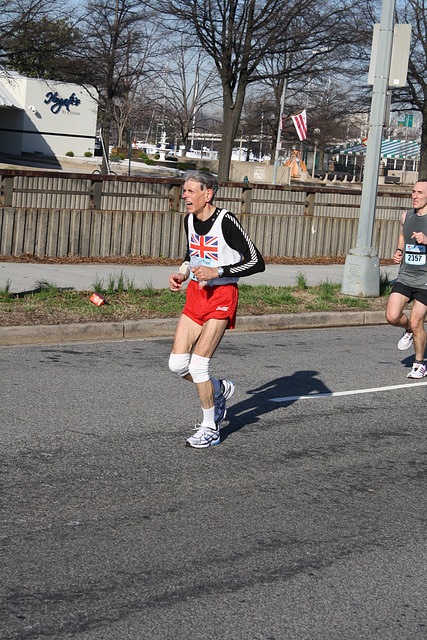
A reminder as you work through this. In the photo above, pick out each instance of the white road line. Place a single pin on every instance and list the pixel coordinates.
(350, 393)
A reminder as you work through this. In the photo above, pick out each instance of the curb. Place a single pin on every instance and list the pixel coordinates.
(165, 328)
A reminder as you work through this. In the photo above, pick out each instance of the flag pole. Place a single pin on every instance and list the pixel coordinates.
(279, 130)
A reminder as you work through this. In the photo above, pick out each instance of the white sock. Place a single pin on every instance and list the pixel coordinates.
(209, 418)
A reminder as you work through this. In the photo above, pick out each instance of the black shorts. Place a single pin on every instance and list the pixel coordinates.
(411, 292)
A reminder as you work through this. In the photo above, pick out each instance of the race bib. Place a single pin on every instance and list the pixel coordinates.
(415, 254)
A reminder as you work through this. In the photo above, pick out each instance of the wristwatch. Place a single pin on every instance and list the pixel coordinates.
(220, 271)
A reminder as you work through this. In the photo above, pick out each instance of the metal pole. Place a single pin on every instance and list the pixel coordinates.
(406, 151)
(130, 150)
(279, 131)
(104, 153)
(362, 270)
(314, 160)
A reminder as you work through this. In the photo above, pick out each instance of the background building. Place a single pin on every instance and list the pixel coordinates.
(46, 117)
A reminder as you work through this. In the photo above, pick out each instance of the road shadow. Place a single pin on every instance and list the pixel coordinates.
(31, 161)
(259, 402)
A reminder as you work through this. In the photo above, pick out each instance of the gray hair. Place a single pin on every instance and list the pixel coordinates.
(206, 180)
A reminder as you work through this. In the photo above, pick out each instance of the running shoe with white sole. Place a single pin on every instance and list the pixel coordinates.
(203, 437)
(405, 341)
(227, 390)
(418, 371)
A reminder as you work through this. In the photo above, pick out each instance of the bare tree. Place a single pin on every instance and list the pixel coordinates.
(185, 88)
(332, 62)
(414, 95)
(113, 53)
(136, 80)
(237, 35)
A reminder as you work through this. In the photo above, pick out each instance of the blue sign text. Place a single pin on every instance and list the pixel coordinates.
(58, 103)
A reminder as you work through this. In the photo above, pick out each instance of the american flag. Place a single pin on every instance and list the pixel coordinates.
(300, 122)
(204, 246)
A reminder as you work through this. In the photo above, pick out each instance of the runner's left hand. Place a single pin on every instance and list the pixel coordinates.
(420, 237)
(204, 273)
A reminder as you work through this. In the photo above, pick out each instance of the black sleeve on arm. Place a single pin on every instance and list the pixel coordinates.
(187, 253)
(237, 238)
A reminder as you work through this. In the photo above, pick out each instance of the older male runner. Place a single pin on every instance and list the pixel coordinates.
(219, 253)
(411, 283)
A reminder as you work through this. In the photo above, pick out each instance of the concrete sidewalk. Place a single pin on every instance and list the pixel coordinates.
(82, 277)
(25, 277)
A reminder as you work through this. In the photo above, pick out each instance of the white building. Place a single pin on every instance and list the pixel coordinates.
(46, 117)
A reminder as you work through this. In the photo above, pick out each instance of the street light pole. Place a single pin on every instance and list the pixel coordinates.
(362, 266)
(316, 142)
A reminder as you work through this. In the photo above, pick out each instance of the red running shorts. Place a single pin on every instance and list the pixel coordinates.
(217, 302)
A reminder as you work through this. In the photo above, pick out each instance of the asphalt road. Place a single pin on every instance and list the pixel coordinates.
(308, 521)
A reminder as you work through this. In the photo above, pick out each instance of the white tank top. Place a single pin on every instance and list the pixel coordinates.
(212, 249)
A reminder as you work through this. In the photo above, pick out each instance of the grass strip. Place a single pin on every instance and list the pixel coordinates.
(48, 304)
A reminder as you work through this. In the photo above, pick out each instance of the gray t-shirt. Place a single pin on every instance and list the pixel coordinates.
(413, 268)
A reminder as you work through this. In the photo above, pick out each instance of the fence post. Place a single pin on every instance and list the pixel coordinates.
(309, 204)
(174, 194)
(95, 193)
(246, 199)
(6, 191)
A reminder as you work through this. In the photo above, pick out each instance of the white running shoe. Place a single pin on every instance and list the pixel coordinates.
(418, 371)
(405, 341)
(227, 390)
(203, 437)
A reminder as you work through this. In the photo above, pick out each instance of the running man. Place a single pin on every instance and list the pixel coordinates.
(219, 252)
(411, 283)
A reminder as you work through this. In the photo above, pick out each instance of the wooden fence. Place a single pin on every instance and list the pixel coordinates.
(56, 214)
